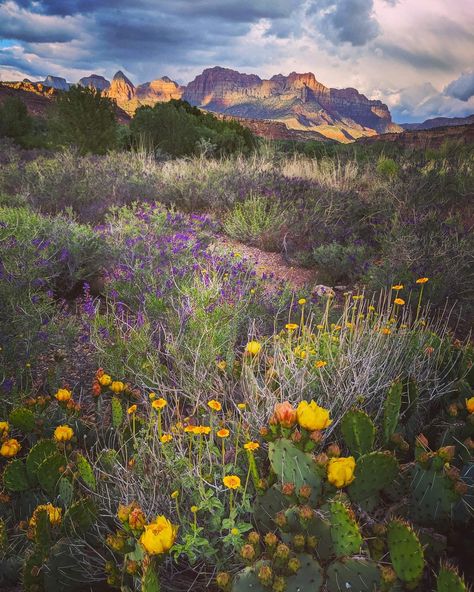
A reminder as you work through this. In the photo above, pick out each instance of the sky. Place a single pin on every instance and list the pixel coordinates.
(415, 55)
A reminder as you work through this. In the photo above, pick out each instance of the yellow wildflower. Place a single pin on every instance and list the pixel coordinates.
(159, 403)
(231, 481)
(223, 433)
(242, 406)
(399, 301)
(291, 326)
(131, 409)
(63, 395)
(252, 446)
(422, 280)
(470, 405)
(397, 287)
(165, 438)
(320, 363)
(214, 405)
(253, 347)
(105, 380)
(302, 301)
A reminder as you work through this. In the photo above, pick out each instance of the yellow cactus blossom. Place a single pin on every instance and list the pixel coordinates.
(399, 301)
(54, 514)
(312, 417)
(159, 536)
(470, 405)
(159, 403)
(397, 287)
(132, 409)
(105, 380)
(63, 395)
(4, 428)
(422, 280)
(165, 438)
(214, 405)
(117, 387)
(231, 481)
(63, 433)
(253, 347)
(223, 433)
(291, 327)
(251, 446)
(341, 471)
(320, 363)
(10, 448)
(302, 301)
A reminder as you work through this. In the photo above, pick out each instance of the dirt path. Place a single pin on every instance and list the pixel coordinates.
(269, 263)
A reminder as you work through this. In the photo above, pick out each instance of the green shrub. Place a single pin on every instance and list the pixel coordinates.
(387, 167)
(339, 262)
(258, 221)
(14, 119)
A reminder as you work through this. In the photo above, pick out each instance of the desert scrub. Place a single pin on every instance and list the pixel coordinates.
(258, 220)
(341, 263)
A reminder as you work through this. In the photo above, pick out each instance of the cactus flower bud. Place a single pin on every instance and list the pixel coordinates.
(282, 552)
(131, 567)
(388, 574)
(279, 584)
(333, 451)
(223, 581)
(305, 491)
(422, 441)
(469, 443)
(452, 473)
(248, 553)
(460, 487)
(264, 432)
(453, 410)
(294, 564)
(379, 529)
(316, 436)
(265, 575)
(311, 542)
(281, 520)
(305, 513)
(262, 484)
(321, 459)
(299, 542)
(288, 489)
(285, 414)
(271, 540)
(296, 436)
(447, 453)
(253, 538)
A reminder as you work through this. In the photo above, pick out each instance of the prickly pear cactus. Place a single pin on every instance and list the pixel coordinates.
(117, 412)
(373, 472)
(294, 466)
(354, 574)
(49, 472)
(345, 534)
(85, 471)
(267, 506)
(23, 419)
(150, 581)
(80, 516)
(449, 580)
(358, 431)
(247, 581)
(433, 496)
(406, 552)
(38, 453)
(15, 477)
(391, 414)
(308, 577)
(65, 491)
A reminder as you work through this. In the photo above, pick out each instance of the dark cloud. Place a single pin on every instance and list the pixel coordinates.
(462, 88)
(346, 21)
(418, 58)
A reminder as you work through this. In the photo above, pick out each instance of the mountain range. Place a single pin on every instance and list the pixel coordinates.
(298, 101)
(296, 106)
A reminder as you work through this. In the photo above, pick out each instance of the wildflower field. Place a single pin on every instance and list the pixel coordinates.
(172, 420)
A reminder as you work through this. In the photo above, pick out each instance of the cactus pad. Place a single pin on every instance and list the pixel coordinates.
(65, 491)
(117, 412)
(49, 472)
(247, 581)
(291, 465)
(38, 453)
(81, 515)
(449, 580)
(345, 533)
(86, 472)
(432, 496)
(358, 431)
(23, 419)
(373, 472)
(267, 506)
(356, 575)
(406, 552)
(309, 577)
(15, 477)
(391, 412)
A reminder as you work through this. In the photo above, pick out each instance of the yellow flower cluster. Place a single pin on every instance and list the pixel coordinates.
(63, 433)
(10, 448)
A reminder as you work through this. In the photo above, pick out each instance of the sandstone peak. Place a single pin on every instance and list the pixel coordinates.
(95, 81)
(121, 88)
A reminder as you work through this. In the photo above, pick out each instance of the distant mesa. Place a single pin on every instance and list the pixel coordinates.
(95, 81)
(439, 122)
(56, 82)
